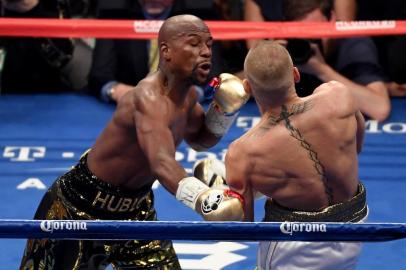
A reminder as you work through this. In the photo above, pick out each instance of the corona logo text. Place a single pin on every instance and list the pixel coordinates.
(51, 225)
(292, 227)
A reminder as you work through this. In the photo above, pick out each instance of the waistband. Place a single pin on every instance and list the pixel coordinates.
(353, 210)
(91, 196)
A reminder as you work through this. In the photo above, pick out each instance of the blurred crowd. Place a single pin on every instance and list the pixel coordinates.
(373, 67)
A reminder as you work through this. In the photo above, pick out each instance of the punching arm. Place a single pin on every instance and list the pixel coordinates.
(229, 96)
(156, 140)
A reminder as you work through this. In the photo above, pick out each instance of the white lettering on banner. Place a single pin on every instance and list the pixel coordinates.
(291, 227)
(247, 122)
(24, 153)
(395, 128)
(31, 183)
(147, 26)
(52, 225)
(373, 126)
(364, 25)
(219, 255)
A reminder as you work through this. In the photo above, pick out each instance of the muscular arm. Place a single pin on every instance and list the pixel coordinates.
(197, 134)
(156, 140)
(237, 178)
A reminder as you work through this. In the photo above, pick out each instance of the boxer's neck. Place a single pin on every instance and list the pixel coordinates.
(176, 89)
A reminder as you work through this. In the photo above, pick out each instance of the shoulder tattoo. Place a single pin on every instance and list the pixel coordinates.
(286, 114)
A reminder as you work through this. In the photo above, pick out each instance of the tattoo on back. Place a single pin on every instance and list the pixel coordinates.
(295, 133)
(285, 114)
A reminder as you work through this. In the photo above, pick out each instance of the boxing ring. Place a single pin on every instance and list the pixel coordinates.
(41, 136)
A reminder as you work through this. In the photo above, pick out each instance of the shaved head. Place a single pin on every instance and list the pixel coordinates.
(185, 48)
(269, 68)
(180, 25)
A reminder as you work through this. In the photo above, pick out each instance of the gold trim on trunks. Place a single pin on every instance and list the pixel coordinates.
(352, 210)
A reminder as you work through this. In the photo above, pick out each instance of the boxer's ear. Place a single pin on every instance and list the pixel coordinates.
(296, 75)
(247, 86)
(165, 51)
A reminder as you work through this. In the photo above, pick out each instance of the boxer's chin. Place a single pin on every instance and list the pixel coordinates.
(199, 78)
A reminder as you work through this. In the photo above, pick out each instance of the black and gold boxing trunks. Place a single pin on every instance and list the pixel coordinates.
(353, 210)
(80, 195)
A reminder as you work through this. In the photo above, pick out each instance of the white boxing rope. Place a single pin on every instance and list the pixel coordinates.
(196, 230)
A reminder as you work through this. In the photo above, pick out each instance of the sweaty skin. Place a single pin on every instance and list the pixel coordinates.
(302, 154)
(139, 143)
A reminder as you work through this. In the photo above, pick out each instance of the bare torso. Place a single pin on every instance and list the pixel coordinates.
(281, 162)
(116, 156)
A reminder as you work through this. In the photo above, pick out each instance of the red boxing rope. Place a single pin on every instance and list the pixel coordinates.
(225, 30)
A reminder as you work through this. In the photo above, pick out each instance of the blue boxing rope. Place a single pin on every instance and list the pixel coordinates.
(194, 230)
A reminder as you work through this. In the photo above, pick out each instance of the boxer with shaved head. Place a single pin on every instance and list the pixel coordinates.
(113, 180)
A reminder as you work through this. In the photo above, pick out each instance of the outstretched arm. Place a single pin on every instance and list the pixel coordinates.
(156, 140)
